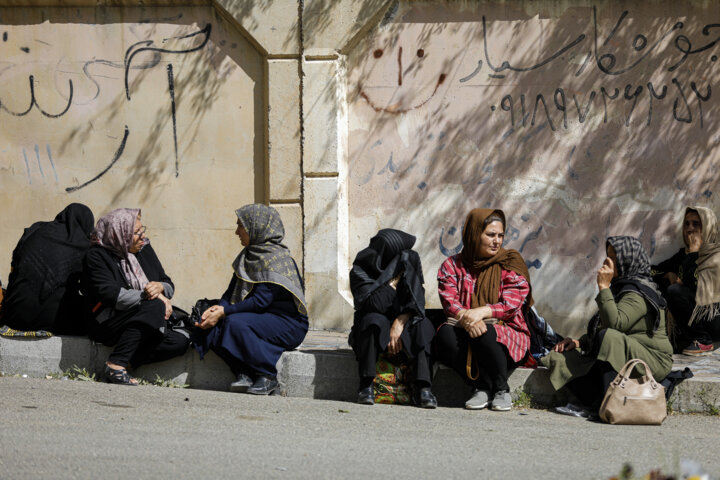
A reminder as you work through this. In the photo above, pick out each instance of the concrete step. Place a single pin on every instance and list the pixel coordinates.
(323, 367)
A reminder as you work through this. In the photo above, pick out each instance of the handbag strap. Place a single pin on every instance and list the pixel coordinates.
(468, 365)
(624, 374)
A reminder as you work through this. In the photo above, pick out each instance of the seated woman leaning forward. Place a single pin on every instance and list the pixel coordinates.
(263, 312)
(43, 287)
(630, 324)
(484, 290)
(689, 282)
(127, 296)
(386, 281)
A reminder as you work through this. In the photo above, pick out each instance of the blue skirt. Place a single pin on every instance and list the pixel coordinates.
(252, 343)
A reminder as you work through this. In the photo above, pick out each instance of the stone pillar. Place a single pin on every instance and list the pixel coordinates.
(329, 30)
(325, 199)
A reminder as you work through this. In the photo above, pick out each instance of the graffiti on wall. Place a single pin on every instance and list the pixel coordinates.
(198, 39)
(121, 100)
(596, 121)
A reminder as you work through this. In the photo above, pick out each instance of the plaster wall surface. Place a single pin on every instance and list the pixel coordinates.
(579, 120)
(156, 108)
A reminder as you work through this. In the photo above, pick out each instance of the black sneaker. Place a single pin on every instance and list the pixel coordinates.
(697, 349)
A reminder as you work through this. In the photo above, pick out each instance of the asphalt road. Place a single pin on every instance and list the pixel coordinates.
(60, 429)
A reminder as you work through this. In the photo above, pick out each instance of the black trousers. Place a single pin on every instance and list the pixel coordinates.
(590, 389)
(681, 303)
(140, 336)
(367, 348)
(492, 359)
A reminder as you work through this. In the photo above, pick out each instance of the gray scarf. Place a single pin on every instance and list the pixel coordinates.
(266, 259)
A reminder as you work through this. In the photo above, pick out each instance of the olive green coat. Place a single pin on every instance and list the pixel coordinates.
(627, 323)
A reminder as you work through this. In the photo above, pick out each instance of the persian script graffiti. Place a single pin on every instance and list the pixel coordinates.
(189, 43)
(600, 53)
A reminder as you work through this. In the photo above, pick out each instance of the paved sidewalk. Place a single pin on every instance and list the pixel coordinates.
(53, 429)
(324, 367)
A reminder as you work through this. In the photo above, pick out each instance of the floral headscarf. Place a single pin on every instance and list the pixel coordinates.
(114, 232)
(266, 259)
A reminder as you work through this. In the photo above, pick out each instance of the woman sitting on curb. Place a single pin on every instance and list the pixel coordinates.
(127, 296)
(262, 313)
(43, 288)
(386, 281)
(483, 291)
(690, 288)
(630, 324)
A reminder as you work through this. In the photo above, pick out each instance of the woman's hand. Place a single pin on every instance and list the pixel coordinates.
(153, 290)
(476, 329)
(694, 241)
(474, 315)
(211, 317)
(394, 281)
(566, 345)
(473, 320)
(395, 344)
(605, 274)
(168, 305)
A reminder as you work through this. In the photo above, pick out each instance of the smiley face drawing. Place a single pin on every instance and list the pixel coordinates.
(402, 106)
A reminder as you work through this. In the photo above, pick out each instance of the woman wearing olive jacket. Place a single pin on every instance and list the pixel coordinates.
(630, 324)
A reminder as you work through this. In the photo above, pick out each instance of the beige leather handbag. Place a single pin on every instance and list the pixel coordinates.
(634, 401)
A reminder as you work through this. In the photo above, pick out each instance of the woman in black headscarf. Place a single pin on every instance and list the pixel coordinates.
(386, 281)
(42, 291)
(630, 324)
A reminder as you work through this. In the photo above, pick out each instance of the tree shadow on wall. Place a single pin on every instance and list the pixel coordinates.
(194, 62)
(574, 150)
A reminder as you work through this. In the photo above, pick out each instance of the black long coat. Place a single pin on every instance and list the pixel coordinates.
(102, 277)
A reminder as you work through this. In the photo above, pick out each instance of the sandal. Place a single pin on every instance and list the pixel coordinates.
(119, 376)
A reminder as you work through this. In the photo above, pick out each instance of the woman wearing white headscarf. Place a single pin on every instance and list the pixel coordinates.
(690, 281)
(263, 312)
(127, 296)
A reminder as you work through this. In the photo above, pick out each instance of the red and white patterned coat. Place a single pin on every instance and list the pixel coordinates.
(456, 284)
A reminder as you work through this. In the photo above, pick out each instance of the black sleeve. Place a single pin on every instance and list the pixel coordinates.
(379, 301)
(688, 270)
(152, 267)
(671, 265)
(100, 278)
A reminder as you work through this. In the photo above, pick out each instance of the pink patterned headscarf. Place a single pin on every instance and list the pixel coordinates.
(114, 232)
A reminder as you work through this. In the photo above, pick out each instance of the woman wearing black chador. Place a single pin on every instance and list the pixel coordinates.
(386, 281)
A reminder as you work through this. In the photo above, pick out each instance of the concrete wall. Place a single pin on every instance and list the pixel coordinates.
(579, 119)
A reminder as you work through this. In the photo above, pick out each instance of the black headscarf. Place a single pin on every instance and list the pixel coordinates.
(634, 274)
(389, 253)
(46, 257)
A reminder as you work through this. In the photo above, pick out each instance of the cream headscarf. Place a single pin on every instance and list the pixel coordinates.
(707, 296)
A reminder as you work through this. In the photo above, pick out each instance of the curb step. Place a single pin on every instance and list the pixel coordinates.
(321, 369)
